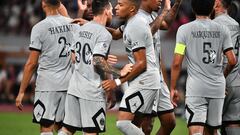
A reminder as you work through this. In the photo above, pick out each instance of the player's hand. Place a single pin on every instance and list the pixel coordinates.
(109, 85)
(126, 69)
(79, 21)
(82, 5)
(19, 101)
(174, 96)
(167, 4)
(111, 99)
(112, 59)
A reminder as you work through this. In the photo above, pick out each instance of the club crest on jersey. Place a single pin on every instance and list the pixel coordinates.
(212, 56)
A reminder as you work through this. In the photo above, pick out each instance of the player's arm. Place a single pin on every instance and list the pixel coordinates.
(228, 51)
(165, 19)
(176, 68)
(101, 63)
(82, 6)
(62, 10)
(170, 15)
(232, 61)
(29, 69)
(116, 33)
(137, 68)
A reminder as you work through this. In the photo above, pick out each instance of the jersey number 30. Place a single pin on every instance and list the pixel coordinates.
(84, 53)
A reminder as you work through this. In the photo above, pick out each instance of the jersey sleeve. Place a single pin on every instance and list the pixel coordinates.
(102, 46)
(227, 42)
(180, 42)
(139, 37)
(35, 39)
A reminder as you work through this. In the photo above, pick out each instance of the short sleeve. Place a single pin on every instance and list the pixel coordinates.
(227, 42)
(35, 40)
(139, 37)
(102, 46)
(180, 42)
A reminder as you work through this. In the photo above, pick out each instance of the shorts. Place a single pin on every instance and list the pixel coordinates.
(49, 107)
(163, 102)
(136, 100)
(85, 115)
(204, 111)
(231, 108)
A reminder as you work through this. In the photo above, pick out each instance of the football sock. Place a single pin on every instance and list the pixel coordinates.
(126, 127)
(232, 130)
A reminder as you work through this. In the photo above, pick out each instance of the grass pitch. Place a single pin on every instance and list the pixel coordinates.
(21, 124)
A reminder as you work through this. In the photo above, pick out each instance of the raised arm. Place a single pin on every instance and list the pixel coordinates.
(171, 15)
(168, 15)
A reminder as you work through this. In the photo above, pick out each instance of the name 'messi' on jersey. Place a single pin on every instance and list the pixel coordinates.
(60, 29)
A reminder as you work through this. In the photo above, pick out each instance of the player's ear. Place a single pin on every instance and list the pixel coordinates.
(132, 8)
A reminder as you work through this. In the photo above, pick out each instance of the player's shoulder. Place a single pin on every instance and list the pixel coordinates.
(98, 29)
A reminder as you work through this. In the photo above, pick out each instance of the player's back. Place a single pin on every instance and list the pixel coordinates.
(52, 37)
(205, 43)
(137, 35)
(91, 39)
(233, 26)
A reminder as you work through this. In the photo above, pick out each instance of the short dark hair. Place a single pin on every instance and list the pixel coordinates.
(98, 6)
(52, 2)
(202, 7)
(226, 3)
(137, 3)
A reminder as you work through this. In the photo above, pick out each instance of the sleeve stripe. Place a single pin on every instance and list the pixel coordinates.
(101, 55)
(34, 49)
(136, 49)
(180, 48)
(228, 49)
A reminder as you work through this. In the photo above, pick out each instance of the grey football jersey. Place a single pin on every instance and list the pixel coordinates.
(156, 38)
(52, 37)
(205, 42)
(137, 35)
(91, 39)
(233, 79)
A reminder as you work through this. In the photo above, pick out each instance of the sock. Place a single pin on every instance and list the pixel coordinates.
(232, 130)
(46, 133)
(126, 127)
(62, 133)
(197, 134)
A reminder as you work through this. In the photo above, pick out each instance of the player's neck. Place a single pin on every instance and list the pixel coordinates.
(145, 8)
(220, 12)
(50, 12)
(201, 17)
(100, 19)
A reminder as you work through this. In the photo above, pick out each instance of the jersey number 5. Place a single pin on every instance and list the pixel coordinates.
(211, 54)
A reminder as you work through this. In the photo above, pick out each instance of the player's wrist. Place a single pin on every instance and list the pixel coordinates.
(118, 81)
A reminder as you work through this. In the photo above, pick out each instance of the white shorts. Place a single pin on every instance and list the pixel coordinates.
(137, 100)
(163, 101)
(204, 111)
(49, 107)
(85, 115)
(231, 108)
